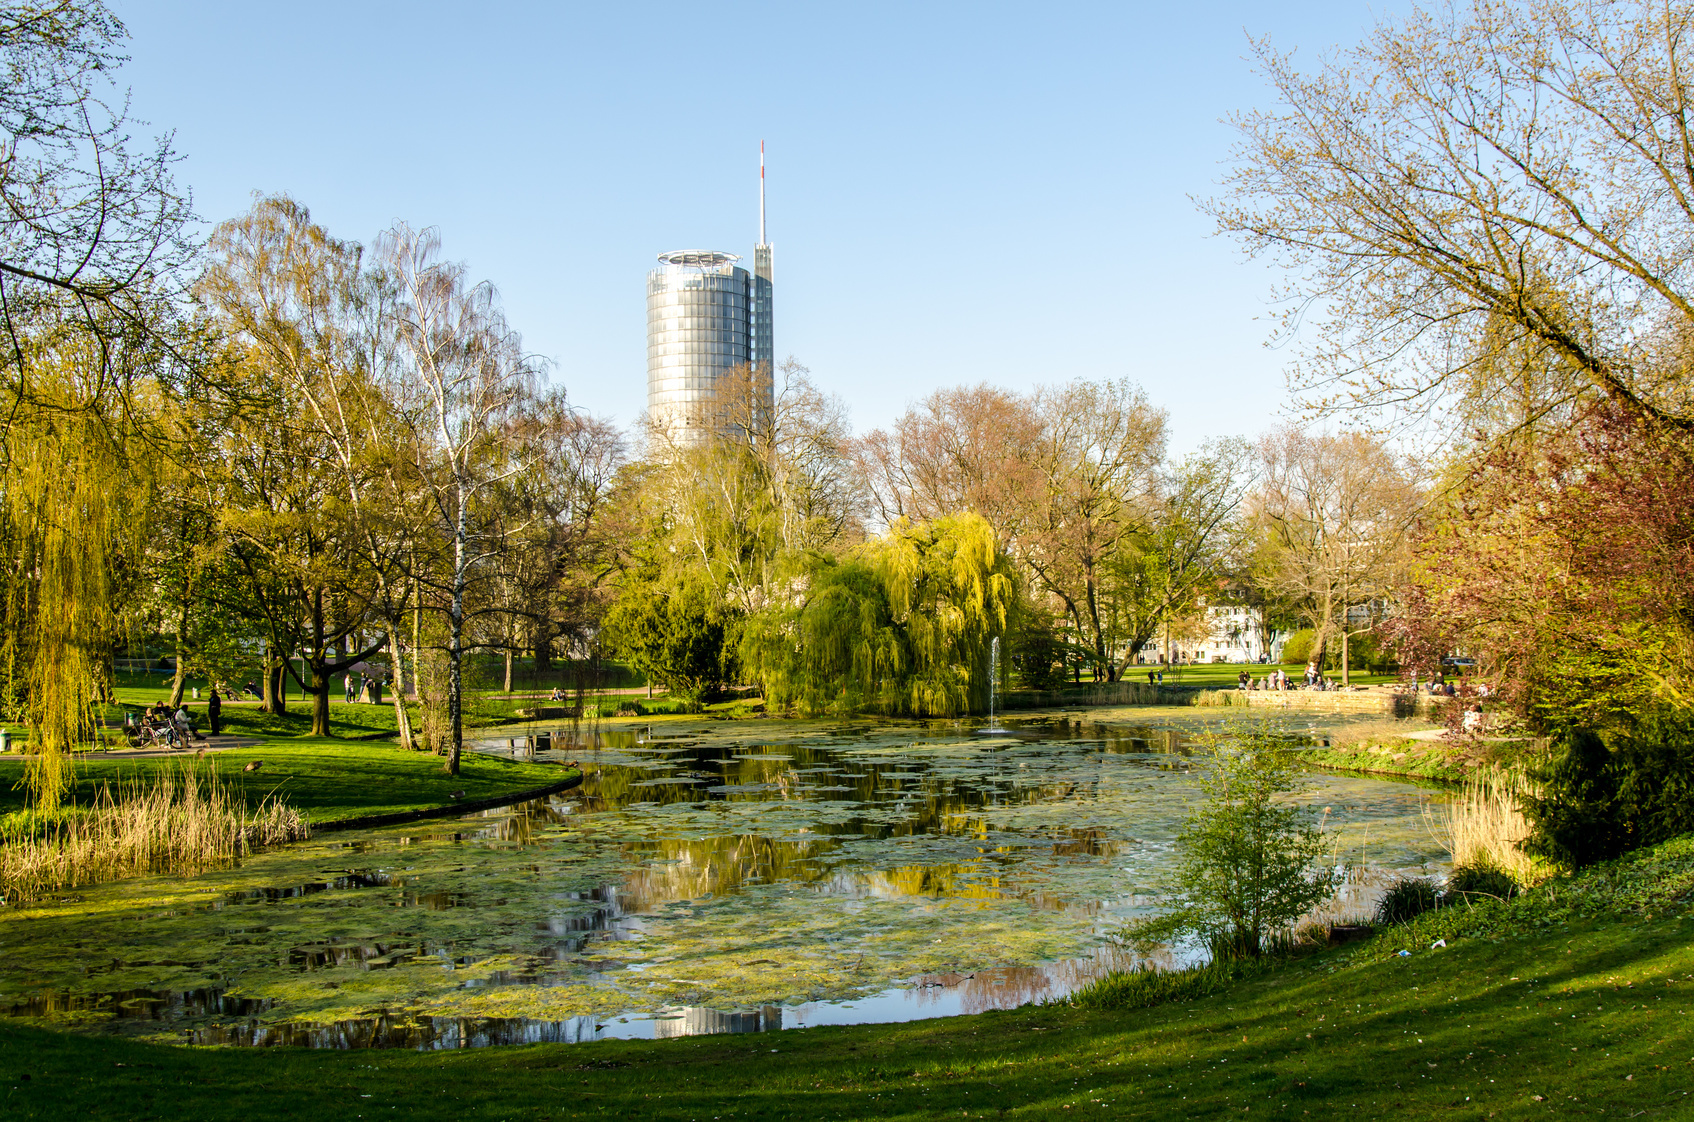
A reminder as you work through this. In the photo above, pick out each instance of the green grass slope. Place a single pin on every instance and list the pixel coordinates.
(325, 778)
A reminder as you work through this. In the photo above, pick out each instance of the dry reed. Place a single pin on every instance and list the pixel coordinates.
(186, 819)
(1482, 826)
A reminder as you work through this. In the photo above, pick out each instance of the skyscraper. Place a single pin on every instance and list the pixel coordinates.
(707, 316)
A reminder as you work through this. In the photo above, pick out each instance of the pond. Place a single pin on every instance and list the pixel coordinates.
(707, 876)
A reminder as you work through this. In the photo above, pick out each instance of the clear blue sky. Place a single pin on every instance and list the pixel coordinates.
(958, 193)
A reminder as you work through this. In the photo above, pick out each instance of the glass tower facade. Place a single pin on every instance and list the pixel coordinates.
(706, 316)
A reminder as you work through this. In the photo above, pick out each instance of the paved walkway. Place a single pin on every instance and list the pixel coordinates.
(210, 744)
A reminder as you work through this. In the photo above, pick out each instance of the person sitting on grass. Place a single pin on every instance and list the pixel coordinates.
(253, 692)
(558, 694)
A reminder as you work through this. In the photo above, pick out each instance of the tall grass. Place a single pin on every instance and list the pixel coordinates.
(183, 819)
(1144, 986)
(1482, 826)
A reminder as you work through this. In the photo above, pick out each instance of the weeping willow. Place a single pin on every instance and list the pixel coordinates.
(901, 627)
(60, 522)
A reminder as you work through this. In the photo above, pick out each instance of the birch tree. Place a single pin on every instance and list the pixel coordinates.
(463, 385)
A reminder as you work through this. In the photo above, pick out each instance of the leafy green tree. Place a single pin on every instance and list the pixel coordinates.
(1599, 800)
(1576, 815)
(1248, 865)
(672, 632)
(903, 625)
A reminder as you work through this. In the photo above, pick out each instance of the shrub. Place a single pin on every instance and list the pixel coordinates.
(1602, 800)
(1576, 819)
(1248, 867)
(1656, 787)
(1297, 651)
(630, 709)
(1466, 881)
(1405, 900)
(1145, 987)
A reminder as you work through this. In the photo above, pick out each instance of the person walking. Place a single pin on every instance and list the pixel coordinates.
(214, 710)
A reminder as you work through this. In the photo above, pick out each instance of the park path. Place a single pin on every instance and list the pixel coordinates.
(211, 744)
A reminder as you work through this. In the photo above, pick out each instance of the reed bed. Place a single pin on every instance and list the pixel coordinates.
(1482, 826)
(183, 819)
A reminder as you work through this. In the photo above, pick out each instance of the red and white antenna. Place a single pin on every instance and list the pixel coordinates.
(762, 193)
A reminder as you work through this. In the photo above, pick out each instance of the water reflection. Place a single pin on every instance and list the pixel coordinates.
(718, 878)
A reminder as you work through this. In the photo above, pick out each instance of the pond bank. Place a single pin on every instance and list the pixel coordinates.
(1429, 754)
(328, 779)
(453, 809)
(1385, 701)
(1531, 1006)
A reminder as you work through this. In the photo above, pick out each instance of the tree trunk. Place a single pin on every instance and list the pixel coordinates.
(318, 690)
(1346, 662)
(181, 678)
(276, 698)
(455, 649)
(320, 699)
(402, 719)
(508, 688)
(417, 641)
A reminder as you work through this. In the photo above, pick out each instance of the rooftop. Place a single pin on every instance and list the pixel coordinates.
(698, 258)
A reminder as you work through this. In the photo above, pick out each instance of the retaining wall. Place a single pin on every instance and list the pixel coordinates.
(1372, 701)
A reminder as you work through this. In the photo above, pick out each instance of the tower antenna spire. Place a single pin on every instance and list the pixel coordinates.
(762, 240)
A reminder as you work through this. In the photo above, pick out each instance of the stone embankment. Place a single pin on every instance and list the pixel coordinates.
(1384, 701)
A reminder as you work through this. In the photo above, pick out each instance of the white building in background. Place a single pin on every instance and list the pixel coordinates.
(1235, 635)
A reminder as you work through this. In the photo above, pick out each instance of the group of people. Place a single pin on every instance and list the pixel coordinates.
(370, 692)
(157, 723)
(1278, 680)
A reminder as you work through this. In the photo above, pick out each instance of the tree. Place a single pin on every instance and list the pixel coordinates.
(967, 448)
(1335, 514)
(1484, 198)
(1566, 564)
(294, 301)
(1247, 868)
(903, 625)
(550, 576)
(464, 389)
(91, 229)
(674, 633)
(1099, 447)
(1182, 544)
(1065, 476)
(91, 240)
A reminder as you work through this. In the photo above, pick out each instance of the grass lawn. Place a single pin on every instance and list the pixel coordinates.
(1575, 1000)
(326, 779)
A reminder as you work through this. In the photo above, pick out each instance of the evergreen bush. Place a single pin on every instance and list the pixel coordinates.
(1600, 800)
(1467, 881)
(1405, 900)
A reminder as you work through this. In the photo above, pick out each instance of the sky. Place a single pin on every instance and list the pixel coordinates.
(958, 193)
